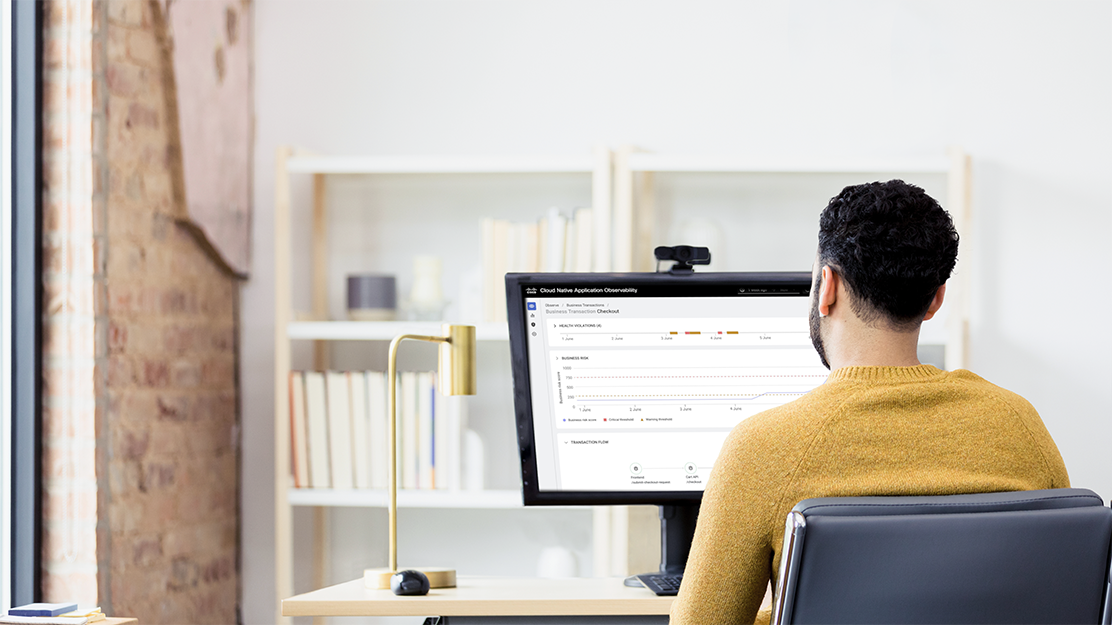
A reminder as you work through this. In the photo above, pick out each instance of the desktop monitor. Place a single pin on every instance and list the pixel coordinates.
(626, 385)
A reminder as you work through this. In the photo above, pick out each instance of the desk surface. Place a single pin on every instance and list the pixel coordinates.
(478, 595)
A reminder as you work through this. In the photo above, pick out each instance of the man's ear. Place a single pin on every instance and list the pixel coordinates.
(936, 303)
(828, 292)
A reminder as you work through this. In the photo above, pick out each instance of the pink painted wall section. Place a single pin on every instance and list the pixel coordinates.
(212, 65)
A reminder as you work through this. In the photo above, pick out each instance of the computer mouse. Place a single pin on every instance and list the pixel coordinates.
(409, 582)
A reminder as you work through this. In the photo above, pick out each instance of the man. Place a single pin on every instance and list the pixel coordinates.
(881, 424)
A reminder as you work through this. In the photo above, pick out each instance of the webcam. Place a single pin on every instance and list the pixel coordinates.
(684, 256)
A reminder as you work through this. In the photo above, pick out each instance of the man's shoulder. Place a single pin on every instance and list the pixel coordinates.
(982, 386)
(811, 408)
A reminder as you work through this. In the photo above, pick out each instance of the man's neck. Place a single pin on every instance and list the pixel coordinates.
(857, 344)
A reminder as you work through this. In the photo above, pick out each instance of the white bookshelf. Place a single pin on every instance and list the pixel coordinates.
(595, 164)
(441, 164)
(649, 162)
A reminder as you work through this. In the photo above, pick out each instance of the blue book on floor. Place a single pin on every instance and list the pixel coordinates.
(42, 609)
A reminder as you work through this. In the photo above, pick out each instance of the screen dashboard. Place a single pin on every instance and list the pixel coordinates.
(626, 385)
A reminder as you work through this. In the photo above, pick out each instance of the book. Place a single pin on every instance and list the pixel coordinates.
(316, 415)
(569, 248)
(583, 244)
(379, 430)
(360, 438)
(339, 430)
(43, 609)
(408, 432)
(542, 244)
(299, 436)
(440, 440)
(498, 273)
(425, 391)
(487, 230)
(61, 619)
(529, 248)
(554, 247)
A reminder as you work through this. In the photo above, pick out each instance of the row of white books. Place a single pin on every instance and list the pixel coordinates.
(556, 243)
(340, 431)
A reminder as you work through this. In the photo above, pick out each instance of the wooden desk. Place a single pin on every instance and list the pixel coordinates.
(484, 597)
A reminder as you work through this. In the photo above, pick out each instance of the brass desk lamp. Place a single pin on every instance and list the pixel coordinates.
(456, 366)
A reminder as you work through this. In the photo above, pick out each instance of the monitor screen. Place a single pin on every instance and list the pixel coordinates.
(626, 385)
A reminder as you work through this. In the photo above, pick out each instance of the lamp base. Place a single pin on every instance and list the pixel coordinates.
(439, 577)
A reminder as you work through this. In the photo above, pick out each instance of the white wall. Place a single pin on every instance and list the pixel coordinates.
(1025, 87)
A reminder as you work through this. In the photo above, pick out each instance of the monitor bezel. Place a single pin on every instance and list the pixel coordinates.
(519, 363)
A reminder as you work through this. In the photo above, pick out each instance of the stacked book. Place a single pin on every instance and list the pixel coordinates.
(340, 431)
(52, 613)
(556, 243)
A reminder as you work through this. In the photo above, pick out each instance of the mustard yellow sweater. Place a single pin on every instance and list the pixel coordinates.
(866, 431)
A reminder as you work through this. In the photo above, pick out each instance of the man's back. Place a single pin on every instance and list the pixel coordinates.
(866, 431)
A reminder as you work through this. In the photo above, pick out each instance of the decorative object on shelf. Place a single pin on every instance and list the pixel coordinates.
(371, 297)
(474, 464)
(557, 562)
(426, 300)
(456, 367)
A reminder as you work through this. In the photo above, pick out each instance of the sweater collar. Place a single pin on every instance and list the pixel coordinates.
(885, 374)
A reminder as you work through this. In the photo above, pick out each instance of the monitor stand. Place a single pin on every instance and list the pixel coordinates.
(677, 529)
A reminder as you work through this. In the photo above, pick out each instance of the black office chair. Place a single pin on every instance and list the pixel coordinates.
(1023, 557)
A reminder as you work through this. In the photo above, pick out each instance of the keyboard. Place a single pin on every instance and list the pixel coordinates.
(662, 584)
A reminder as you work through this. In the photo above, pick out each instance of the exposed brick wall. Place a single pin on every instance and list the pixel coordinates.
(158, 343)
(70, 506)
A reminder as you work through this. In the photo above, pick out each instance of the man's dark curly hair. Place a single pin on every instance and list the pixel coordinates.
(894, 246)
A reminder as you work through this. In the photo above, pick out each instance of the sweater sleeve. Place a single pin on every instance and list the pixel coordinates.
(729, 566)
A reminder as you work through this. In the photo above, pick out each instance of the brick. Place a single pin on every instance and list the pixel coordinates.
(174, 408)
(115, 44)
(143, 48)
(62, 505)
(158, 476)
(217, 570)
(67, 458)
(69, 382)
(124, 477)
(79, 544)
(123, 80)
(121, 371)
(186, 374)
(184, 574)
(133, 445)
(146, 550)
(128, 13)
(142, 116)
(219, 371)
(155, 373)
(80, 587)
(170, 440)
(117, 337)
(178, 301)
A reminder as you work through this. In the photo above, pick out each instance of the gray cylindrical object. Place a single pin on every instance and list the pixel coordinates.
(371, 297)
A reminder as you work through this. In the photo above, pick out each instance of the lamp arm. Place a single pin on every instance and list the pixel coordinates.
(392, 393)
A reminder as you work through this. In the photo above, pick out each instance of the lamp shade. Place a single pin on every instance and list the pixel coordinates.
(457, 361)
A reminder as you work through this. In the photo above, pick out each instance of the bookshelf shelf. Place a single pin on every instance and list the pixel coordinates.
(646, 162)
(441, 165)
(384, 331)
(408, 498)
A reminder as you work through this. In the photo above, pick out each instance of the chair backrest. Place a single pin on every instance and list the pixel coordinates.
(1024, 557)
